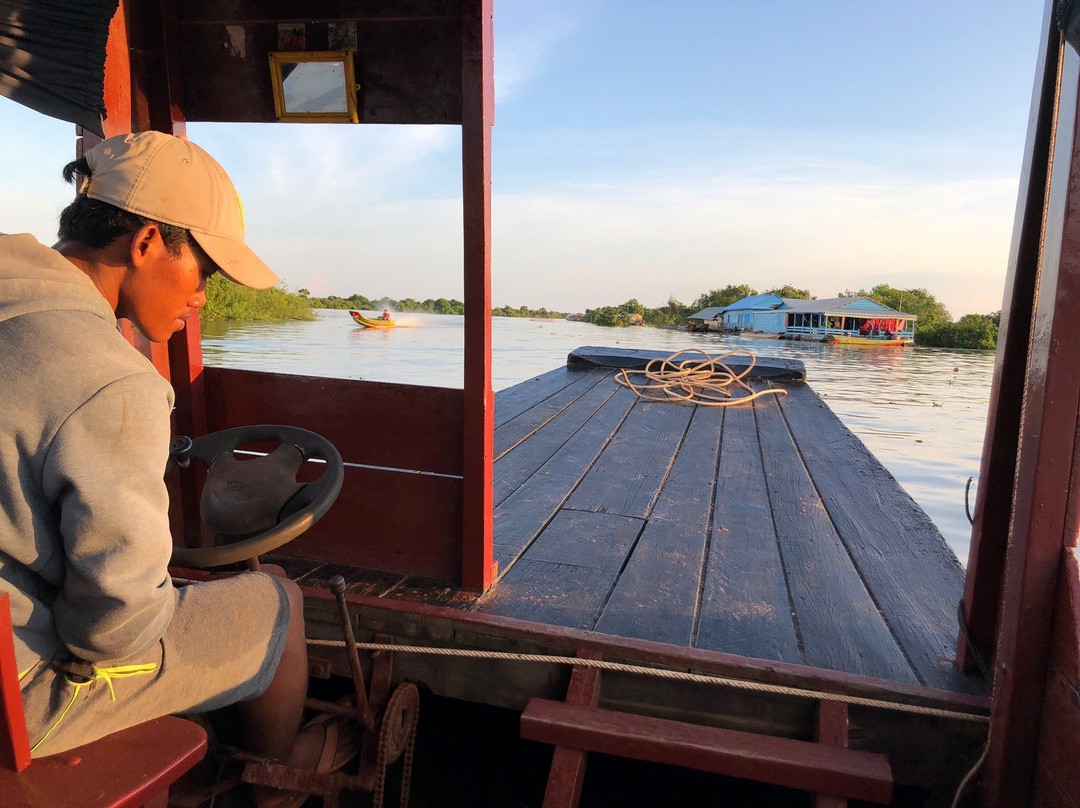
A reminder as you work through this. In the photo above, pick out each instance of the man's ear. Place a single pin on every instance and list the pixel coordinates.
(144, 243)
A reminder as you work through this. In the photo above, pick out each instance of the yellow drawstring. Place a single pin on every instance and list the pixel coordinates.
(108, 674)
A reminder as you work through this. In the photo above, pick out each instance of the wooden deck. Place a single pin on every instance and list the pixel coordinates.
(765, 530)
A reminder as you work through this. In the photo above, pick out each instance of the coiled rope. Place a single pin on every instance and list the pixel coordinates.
(706, 382)
(662, 673)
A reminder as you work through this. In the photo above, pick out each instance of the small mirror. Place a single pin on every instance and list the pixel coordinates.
(314, 86)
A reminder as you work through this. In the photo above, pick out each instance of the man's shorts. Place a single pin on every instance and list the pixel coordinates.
(222, 646)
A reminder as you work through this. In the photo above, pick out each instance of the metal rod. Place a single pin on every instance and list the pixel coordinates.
(337, 586)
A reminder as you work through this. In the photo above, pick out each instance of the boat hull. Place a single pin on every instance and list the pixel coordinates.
(872, 342)
(367, 322)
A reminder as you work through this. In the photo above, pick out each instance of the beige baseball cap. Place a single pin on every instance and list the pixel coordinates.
(171, 180)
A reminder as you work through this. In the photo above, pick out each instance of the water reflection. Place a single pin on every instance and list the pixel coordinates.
(921, 411)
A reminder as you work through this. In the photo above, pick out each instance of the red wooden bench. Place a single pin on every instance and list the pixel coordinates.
(131, 768)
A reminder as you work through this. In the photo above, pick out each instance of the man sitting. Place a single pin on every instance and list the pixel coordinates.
(103, 638)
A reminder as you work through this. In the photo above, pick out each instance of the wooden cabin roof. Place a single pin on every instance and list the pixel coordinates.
(407, 61)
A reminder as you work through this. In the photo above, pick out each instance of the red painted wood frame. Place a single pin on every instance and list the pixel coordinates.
(1057, 777)
(14, 741)
(1047, 475)
(454, 541)
(477, 117)
(993, 504)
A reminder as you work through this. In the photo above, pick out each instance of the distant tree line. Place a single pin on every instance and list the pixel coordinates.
(934, 326)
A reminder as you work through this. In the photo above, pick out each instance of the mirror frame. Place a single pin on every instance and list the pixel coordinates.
(278, 58)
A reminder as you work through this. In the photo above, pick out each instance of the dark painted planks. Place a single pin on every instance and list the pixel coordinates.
(637, 359)
(522, 426)
(518, 465)
(838, 621)
(525, 512)
(745, 608)
(565, 576)
(906, 564)
(627, 476)
(513, 401)
(656, 595)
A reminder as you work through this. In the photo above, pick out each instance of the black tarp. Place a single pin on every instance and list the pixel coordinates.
(52, 57)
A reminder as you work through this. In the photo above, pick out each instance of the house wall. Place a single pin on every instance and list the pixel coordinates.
(771, 321)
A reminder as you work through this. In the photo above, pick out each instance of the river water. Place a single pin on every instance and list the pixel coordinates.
(921, 411)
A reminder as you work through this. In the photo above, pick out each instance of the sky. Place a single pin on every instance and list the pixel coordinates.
(648, 151)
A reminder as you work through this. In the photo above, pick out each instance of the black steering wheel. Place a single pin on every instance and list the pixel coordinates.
(255, 505)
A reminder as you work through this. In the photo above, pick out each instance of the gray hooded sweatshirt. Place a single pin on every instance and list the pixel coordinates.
(84, 438)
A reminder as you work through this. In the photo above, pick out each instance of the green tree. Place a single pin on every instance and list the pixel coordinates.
(791, 292)
(226, 300)
(919, 302)
(723, 297)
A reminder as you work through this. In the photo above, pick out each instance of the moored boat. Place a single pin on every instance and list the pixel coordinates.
(368, 322)
(871, 342)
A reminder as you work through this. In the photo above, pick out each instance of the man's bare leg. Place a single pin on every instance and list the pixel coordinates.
(272, 720)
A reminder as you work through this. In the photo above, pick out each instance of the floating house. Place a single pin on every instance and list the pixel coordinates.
(837, 316)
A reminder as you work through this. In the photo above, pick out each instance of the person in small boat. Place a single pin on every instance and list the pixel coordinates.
(104, 640)
(385, 314)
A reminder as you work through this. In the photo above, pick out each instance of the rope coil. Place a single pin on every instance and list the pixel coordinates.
(706, 382)
(684, 676)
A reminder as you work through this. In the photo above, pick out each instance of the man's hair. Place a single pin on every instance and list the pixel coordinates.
(98, 224)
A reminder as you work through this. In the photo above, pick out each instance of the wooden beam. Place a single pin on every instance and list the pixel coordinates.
(1046, 481)
(764, 759)
(568, 765)
(14, 742)
(997, 470)
(831, 730)
(477, 116)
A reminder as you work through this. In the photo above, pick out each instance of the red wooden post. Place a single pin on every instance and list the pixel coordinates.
(14, 743)
(993, 504)
(568, 765)
(831, 730)
(477, 115)
(1046, 479)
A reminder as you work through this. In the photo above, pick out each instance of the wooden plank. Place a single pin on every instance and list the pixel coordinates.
(518, 465)
(1057, 778)
(568, 765)
(745, 606)
(513, 401)
(597, 540)
(657, 594)
(627, 476)
(636, 359)
(122, 770)
(909, 570)
(565, 577)
(512, 432)
(477, 115)
(522, 515)
(393, 425)
(778, 761)
(14, 741)
(831, 730)
(376, 523)
(548, 593)
(837, 619)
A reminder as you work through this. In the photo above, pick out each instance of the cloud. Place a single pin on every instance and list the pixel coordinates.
(526, 33)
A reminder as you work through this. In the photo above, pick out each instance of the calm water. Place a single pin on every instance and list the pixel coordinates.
(921, 411)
